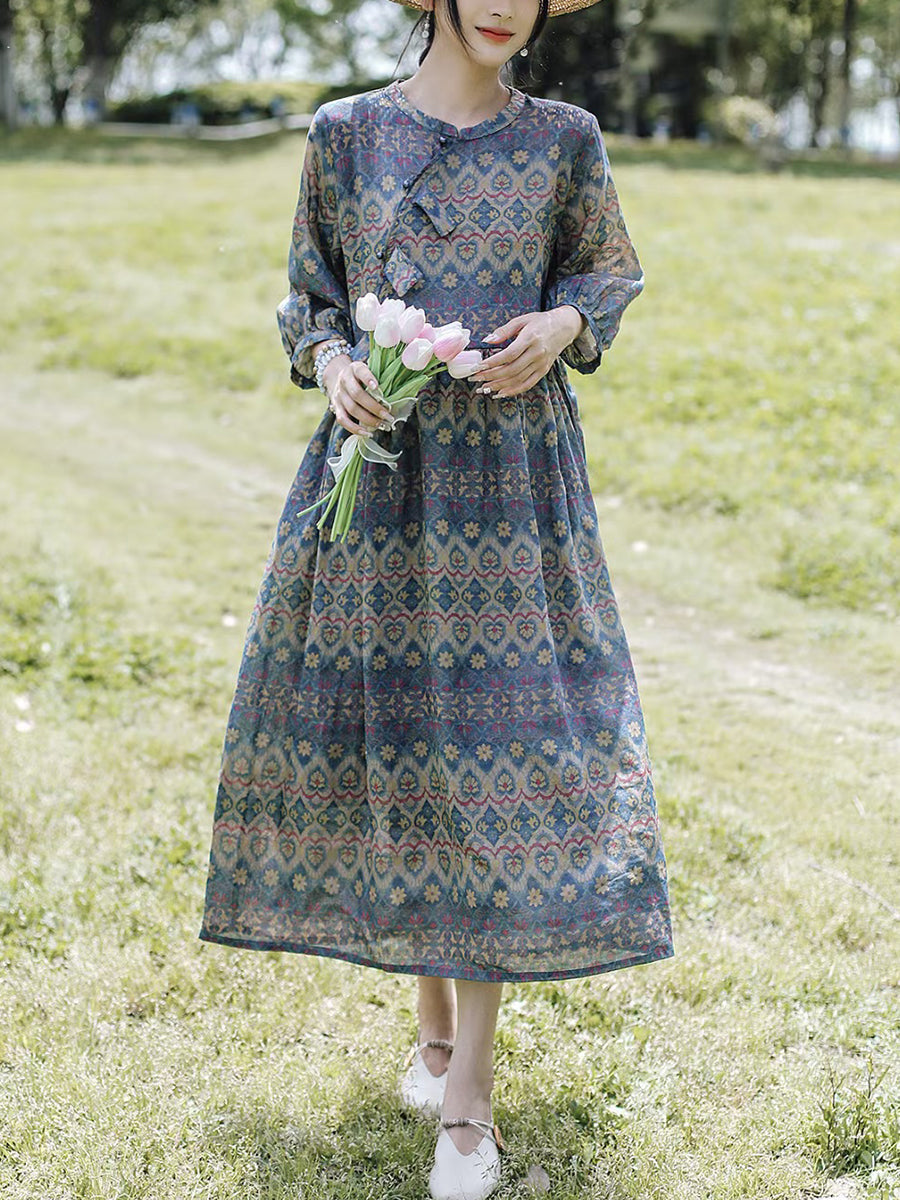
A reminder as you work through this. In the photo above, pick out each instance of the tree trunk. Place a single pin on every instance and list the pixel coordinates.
(99, 71)
(100, 55)
(8, 102)
(628, 84)
(58, 92)
(850, 14)
(818, 93)
(723, 38)
(59, 98)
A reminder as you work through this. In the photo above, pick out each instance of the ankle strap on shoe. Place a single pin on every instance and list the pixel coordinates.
(414, 1051)
(489, 1127)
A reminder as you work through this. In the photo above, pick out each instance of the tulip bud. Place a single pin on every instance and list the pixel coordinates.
(450, 327)
(411, 322)
(448, 344)
(417, 355)
(367, 309)
(427, 331)
(387, 331)
(465, 363)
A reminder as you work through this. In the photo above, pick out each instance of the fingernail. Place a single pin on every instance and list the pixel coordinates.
(491, 337)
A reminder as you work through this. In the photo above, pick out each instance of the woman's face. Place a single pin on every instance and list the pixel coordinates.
(514, 17)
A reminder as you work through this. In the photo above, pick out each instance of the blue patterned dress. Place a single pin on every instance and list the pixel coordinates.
(435, 761)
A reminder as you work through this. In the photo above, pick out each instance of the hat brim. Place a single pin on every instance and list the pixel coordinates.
(558, 8)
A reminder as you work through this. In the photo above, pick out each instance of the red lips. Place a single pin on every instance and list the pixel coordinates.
(499, 35)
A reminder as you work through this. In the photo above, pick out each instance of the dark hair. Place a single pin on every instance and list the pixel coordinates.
(456, 24)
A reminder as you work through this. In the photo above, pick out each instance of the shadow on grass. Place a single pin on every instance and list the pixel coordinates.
(90, 146)
(373, 1148)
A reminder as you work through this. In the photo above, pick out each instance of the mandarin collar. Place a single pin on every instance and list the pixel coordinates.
(504, 117)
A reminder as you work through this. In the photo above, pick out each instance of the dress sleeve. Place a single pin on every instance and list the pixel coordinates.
(595, 266)
(317, 307)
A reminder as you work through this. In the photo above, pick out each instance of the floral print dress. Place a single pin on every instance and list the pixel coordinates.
(435, 760)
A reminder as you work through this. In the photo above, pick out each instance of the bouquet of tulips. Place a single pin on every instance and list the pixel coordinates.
(404, 352)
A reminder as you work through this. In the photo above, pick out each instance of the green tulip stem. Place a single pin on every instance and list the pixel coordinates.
(332, 498)
(348, 494)
(345, 527)
(387, 380)
(329, 495)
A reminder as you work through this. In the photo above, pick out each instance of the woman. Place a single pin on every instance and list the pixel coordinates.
(435, 761)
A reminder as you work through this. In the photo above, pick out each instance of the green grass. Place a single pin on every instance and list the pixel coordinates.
(743, 448)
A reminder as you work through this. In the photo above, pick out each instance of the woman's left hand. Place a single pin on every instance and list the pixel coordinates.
(539, 339)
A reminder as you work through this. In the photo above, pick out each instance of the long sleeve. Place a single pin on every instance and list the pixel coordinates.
(595, 267)
(317, 307)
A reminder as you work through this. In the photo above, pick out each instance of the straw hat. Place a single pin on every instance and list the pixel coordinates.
(557, 7)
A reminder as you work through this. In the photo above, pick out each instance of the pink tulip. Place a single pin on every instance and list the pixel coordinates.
(427, 331)
(387, 331)
(417, 355)
(367, 311)
(448, 344)
(411, 322)
(466, 363)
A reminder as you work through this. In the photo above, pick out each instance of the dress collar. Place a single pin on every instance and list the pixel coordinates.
(504, 117)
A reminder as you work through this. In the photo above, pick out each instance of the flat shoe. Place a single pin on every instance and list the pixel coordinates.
(472, 1176)
(418, 1087)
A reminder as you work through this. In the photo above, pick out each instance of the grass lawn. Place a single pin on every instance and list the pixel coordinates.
(743, 448)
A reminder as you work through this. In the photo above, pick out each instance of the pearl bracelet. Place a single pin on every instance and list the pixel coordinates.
(324, 357)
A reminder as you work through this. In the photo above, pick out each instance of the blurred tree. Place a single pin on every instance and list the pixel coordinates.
(47, 33)
(240, 39)
(634, 62)
(824, 21)
(83, 41)
(878, 30)
(343, 34)
(692, 45)
(851, 12)
(579, 59)
(108, 27)
(630, 61)
(803, 46)
(8, 104)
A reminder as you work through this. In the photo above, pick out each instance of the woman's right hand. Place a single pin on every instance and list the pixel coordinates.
(345, 383)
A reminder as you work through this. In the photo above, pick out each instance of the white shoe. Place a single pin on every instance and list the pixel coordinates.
(458, 1176)
(418, 1087)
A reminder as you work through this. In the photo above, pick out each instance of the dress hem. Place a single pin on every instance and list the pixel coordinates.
(659, 954)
